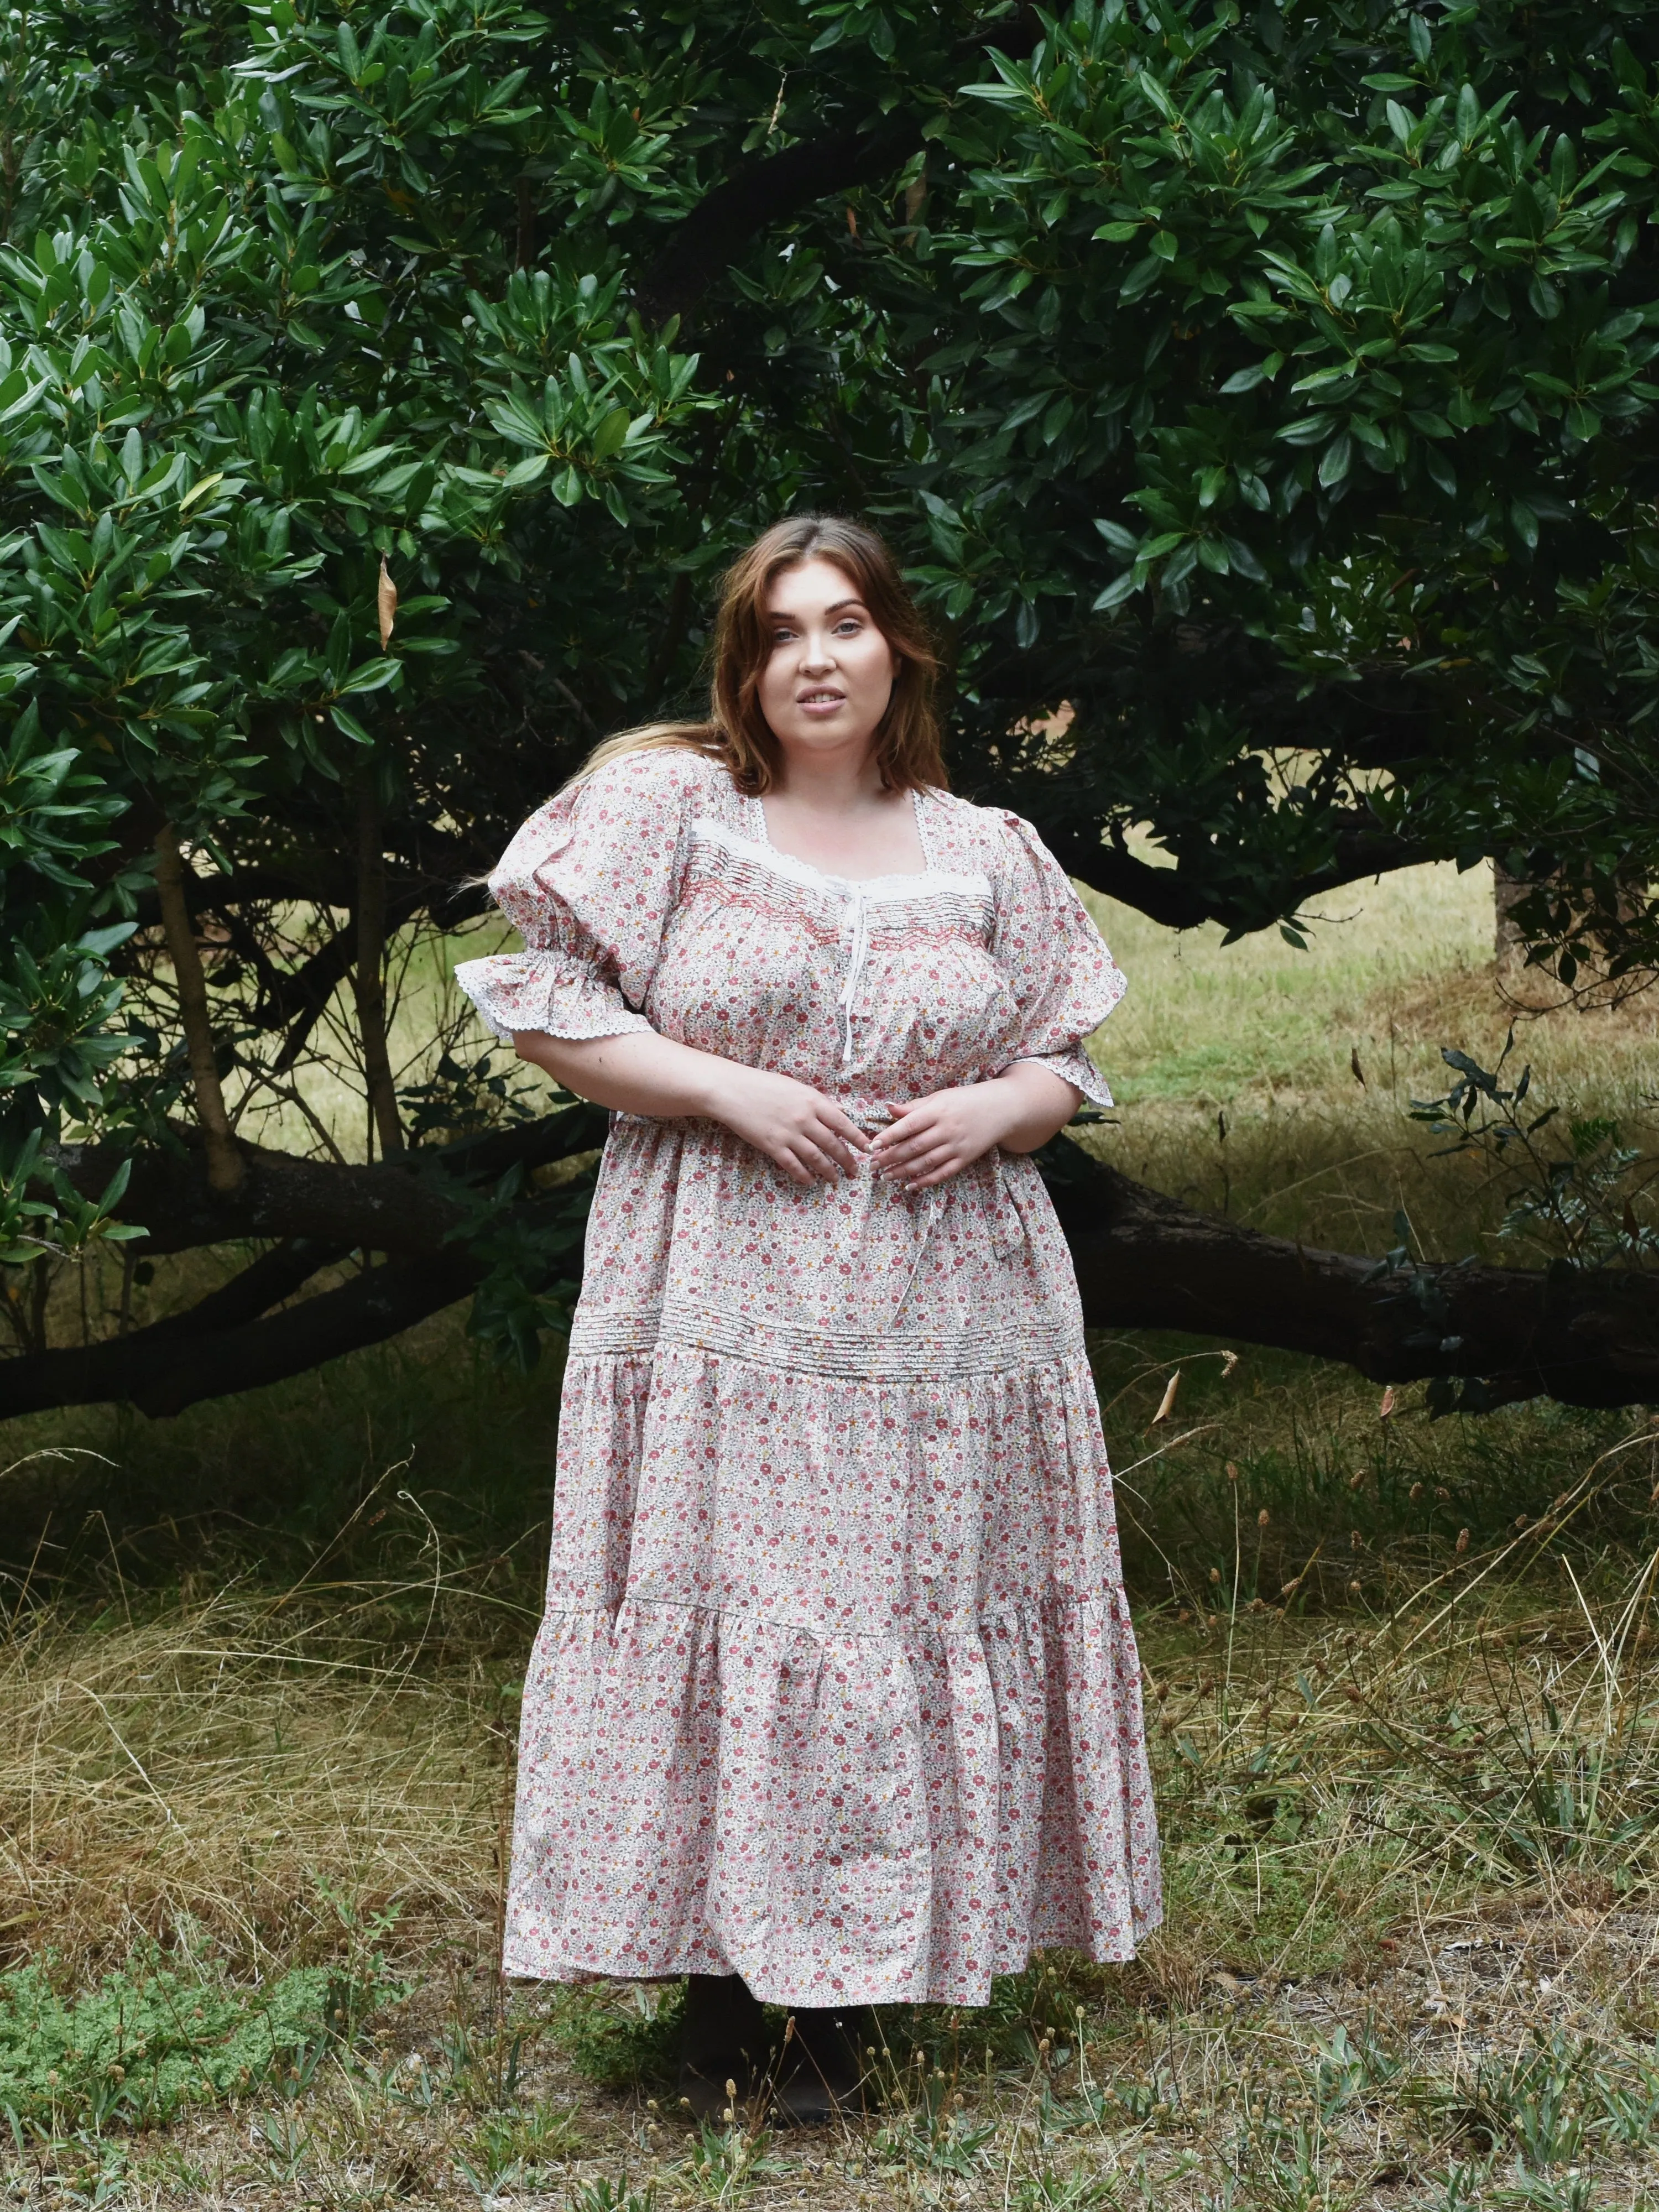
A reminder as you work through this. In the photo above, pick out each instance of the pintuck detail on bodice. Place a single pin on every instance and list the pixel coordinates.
(836, 1687)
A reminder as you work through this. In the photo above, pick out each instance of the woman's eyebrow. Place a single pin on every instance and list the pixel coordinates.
(782, 614)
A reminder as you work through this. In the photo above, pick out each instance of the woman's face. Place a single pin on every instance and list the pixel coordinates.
(830, 674)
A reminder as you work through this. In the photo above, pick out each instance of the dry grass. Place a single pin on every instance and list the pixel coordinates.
(236, 1763)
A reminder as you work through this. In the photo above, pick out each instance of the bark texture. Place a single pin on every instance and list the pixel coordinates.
(368, 974)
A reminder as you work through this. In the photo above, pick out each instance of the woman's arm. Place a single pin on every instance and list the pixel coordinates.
(804, 1133)
(935, 1138)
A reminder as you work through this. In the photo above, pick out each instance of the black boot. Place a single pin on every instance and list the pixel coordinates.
(724, 2038)
(821, 2065)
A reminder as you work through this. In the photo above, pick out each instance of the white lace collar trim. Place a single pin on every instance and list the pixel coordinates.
(930, 883)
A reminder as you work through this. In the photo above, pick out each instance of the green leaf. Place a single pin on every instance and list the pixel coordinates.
(99, 942)
(349, 725)
(1121, 588)
(1141, 278)
(608, 438)
(370, 676)
(1336, 459)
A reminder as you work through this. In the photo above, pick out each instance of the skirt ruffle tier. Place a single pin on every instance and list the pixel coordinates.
(837, 1689)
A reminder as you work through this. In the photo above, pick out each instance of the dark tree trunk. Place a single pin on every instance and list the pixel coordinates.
(224, 1161)
(368, 975)
(1483, 1336)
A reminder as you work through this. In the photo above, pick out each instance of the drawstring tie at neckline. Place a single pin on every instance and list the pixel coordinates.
(858, 923)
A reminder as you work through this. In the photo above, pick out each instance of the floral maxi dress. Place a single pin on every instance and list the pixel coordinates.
(837, 1687)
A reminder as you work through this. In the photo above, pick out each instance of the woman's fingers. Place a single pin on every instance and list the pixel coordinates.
(831, 1140)
(933, 1171)
(905, 1145)
(843, 1125)
(941, 1171)
(933, 1160)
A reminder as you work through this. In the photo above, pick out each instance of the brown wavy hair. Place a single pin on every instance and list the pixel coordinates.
(907, 738)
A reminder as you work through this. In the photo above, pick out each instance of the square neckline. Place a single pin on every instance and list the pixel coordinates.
(756, 807)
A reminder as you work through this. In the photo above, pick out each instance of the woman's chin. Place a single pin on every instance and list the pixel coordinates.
(832, 733)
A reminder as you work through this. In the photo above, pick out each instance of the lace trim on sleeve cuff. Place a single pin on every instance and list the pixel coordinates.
(1076, 1068)
(545, 991)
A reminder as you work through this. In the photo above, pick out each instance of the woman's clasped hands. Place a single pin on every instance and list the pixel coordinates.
(928, 1140)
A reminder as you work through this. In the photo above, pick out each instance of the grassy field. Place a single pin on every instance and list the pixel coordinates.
(257, 1703)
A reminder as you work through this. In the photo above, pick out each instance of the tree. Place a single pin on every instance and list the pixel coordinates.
(1308, 355)
(1263, 407)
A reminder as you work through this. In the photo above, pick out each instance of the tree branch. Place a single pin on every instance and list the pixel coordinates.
(368, 972)
(705, 243)
(1585, 1338)
(1171, 896)
(127, 1367)
(373, 1306)
(410, 1206)
(224, 1163)
(209, 1353)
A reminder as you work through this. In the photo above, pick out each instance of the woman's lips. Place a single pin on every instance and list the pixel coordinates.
(820, 702)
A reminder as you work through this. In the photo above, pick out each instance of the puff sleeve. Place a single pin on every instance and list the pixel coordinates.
(588, 882)
(1065, 981)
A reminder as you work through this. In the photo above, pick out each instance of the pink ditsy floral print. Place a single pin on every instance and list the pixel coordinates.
(837, 1687)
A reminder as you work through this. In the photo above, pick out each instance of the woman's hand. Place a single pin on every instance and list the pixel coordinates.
(935, 1138)
(804, 1132)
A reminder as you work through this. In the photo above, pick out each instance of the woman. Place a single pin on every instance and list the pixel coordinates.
(837, 1699)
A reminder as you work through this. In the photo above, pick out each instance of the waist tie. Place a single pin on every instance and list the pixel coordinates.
(1009, 1227)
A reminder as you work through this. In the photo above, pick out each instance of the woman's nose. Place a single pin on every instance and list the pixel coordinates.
(816, 655)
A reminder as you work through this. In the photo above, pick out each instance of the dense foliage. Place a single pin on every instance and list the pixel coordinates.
(1262, 401)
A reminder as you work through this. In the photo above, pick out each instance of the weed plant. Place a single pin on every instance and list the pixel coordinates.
(147, 2041)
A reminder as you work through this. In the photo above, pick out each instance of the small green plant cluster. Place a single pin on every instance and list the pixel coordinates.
(1561, 2099)
(620, 2036)
(148, 2041)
